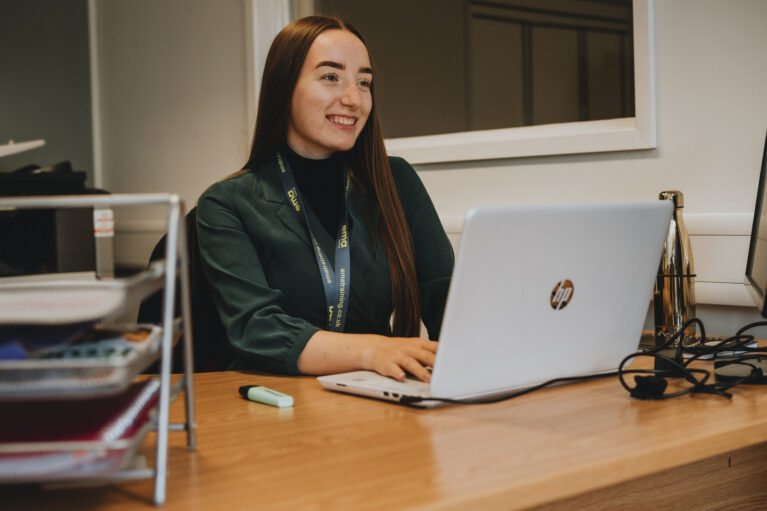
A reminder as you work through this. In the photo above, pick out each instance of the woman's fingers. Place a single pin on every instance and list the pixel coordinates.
(429, 345)
(395, 356)
(395, 371)
(412, 366)
(426, 357)
(415, 360)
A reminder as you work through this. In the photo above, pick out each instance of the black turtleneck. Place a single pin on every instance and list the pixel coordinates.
(321, 184)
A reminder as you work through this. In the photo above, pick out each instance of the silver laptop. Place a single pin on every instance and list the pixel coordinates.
(538, 292)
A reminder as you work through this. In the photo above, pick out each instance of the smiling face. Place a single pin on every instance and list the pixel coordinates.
(332, 99)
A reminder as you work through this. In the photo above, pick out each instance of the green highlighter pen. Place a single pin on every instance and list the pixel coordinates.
(266, 396)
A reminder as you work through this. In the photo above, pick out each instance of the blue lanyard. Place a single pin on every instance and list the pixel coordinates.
(334, 280)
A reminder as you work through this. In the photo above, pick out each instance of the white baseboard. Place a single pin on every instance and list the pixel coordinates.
(722, 293)
(719, 244)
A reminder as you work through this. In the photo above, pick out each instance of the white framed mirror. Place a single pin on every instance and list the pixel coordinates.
(265, 18)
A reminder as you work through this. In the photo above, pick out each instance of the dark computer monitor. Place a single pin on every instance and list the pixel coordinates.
(756, 266)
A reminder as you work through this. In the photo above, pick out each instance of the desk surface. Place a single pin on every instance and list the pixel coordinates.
(334, 451)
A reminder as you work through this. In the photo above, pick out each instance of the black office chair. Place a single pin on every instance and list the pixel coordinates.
(211, 348)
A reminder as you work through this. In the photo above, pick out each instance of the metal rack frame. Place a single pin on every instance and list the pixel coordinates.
(175, 244)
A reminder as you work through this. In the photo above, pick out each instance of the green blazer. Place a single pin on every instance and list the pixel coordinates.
(259, 260)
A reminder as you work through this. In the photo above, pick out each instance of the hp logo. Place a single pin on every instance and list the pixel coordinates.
(561, 294)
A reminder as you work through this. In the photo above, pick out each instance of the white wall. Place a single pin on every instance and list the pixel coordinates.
(711, 120)
(711, 124)
(174, 115)
(172, 87)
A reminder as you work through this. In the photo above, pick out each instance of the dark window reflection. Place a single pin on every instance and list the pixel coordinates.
(446, 66)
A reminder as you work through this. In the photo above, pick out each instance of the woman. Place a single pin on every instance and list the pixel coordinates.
(297, 289)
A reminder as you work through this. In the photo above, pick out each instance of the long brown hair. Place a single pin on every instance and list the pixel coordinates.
(368, 161)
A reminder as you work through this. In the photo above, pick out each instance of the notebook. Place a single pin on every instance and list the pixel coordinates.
(537, 293)
(53, 424)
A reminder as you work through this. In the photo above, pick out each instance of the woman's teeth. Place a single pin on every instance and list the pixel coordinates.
(345, 121)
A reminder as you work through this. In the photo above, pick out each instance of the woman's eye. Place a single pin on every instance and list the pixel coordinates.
(365, 83)
(331, 77)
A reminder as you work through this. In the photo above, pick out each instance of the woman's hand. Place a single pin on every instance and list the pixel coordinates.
(392, 356)
(332, 352)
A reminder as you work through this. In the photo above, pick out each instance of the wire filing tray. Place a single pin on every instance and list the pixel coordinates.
(86, 377)
(73, 298)
(123, 293)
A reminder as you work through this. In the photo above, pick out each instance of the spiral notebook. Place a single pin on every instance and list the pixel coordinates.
(55, 423)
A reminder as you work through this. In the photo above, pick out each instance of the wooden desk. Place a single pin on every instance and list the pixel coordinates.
(581, 446)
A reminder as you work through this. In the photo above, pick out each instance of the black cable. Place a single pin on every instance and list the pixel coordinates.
(654, 386)
(651, 383)
(750, 326)
(409, 400)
